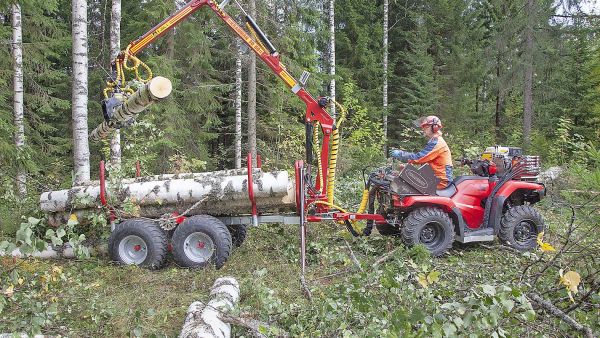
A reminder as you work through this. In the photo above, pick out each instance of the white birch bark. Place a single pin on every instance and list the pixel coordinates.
(252, 96)
(385, 74)
(81, 151)
(115, 48)
(238, 107)
(214, 193)
(203, 320)
(157, 89)
(332, 54)
(528, 81)
(17, 50)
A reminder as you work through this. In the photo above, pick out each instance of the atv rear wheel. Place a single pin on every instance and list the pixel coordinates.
(431, 227)
(520, 226)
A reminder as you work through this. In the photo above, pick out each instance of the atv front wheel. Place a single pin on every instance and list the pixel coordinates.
(520, 226)
(431, 227)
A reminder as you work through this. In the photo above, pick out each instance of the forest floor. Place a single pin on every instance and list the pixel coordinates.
(95, 298)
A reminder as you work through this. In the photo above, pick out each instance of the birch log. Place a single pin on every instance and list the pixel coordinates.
(157, 89)
(214, 193)
(203, 320)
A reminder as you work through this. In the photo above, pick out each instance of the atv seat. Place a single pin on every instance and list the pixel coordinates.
(449, 191)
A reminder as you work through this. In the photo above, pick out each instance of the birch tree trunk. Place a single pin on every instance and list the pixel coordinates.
(385, 73)
(252, 96)
(115, 48)
(238, 107)
(332, 54)
(17, 49)
(528, 83)
(81, 151)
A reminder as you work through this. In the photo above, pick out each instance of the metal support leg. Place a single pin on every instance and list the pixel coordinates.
(302, 213)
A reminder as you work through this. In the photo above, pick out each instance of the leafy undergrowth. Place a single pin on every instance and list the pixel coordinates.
(476, 290)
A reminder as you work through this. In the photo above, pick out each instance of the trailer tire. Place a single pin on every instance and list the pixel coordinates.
(238, 232)
(140, 242)
(520, 226)
(431, 227)
(201, 240)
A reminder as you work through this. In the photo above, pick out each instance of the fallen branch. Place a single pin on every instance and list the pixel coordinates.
(385, 257)
(305, 289)
(254, 326)
(553, 310)
(353, 257)
(501, 247)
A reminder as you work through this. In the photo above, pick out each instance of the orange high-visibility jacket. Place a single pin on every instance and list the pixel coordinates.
(437, 154)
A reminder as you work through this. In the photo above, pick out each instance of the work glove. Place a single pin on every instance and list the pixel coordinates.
(399, 154)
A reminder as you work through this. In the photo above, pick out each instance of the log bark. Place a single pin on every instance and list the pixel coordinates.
(17, 51)
(219, 193)
(81, 151)
(203, 320)
(115, 48)
(157, 89)
(65, 252)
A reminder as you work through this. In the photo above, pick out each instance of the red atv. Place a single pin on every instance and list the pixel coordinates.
(471, 209)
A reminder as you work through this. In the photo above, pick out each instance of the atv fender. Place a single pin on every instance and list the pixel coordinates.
(444, 203)
(508, 189)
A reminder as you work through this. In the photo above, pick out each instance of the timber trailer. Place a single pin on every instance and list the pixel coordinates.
(201, 216)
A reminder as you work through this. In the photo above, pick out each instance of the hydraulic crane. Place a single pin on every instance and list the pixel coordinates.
(318, 194)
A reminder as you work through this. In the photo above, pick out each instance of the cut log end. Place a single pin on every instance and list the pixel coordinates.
(160, 87)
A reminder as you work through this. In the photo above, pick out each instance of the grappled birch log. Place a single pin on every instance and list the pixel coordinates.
(157, 89)
(219, 193)
(203, 320)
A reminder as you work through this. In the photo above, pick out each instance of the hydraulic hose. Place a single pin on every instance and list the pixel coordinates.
(317, 147)
(335, 142)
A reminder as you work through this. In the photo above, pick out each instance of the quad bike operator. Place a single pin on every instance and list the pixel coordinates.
(436, 152)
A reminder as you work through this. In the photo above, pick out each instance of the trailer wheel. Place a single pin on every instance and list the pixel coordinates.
(520, 226)
(201, 240)
(238, 232)
(431, 227)
(140, 242)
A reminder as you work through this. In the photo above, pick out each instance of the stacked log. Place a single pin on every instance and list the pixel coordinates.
(216, 193)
